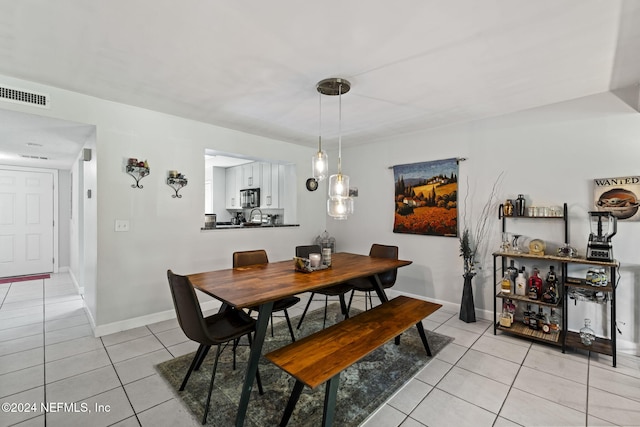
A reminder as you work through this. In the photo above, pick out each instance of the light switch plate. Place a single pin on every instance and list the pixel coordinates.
(122, 225)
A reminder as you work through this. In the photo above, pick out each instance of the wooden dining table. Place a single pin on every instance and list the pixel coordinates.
(262, 284)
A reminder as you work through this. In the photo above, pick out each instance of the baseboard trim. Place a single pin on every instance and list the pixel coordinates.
(136, 322)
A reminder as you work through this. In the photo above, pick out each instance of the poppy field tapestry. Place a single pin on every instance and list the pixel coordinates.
(426, 198)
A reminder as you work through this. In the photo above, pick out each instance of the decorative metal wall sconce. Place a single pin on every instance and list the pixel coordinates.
(176, 181)
(137, 170)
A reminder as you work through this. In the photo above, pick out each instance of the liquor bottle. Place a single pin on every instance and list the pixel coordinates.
(521, 283)
(512, 271)
(505, 319)
(587, 336)
(507, 208)
(543, 321)
(520, 207)
(554, 322)
(550, 294)
(533, 321)
(534, 285)
(506, 284)
(526, 315)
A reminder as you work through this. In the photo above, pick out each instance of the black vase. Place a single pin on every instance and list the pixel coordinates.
(467, 309)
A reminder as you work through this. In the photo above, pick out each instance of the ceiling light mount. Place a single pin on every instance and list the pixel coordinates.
(333, 86)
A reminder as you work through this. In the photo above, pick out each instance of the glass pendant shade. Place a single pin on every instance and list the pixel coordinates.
(320, 165)
(339, 185)
(340, 207)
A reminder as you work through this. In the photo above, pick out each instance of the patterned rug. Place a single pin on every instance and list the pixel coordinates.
(363, 387)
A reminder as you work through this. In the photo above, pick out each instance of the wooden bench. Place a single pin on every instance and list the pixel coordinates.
(320, 357)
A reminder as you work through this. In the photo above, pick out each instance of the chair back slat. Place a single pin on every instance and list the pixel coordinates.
(245, 258)
(387, 278)
(304, 251)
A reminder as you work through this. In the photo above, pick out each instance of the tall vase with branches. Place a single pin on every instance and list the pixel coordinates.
(473, 243)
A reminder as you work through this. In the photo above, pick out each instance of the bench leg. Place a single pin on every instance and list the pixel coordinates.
(423, 337)
(330, 398)
(291, 404)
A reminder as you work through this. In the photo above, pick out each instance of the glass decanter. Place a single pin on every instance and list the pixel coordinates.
(587, 336)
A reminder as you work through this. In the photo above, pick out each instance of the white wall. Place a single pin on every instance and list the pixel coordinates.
(550, 154)
(125, 273)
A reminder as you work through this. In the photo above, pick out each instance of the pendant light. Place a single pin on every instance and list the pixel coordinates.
(320, 161)
(339, 204)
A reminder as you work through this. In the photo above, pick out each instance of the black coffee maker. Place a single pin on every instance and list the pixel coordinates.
(603, 227)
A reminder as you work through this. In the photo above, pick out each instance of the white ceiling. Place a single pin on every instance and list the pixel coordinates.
(253, 65)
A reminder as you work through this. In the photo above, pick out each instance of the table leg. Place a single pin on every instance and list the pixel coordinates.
(330, 398)
(264, 314)
(379, 289)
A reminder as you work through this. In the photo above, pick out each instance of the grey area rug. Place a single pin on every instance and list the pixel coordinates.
(363, 387)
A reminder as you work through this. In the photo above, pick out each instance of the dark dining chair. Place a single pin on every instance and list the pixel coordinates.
(388, 278)
(259, 256)
(332, 291)
(221, 328)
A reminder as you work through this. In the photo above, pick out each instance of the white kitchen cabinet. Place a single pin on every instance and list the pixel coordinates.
(270, 190)
(233, 181)
(252, 175)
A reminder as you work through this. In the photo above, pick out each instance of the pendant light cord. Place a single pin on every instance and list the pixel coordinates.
(340, 129)
(320, 123)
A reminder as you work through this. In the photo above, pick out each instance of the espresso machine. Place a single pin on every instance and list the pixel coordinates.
(603, 227)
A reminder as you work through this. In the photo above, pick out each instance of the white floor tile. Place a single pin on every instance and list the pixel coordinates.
(478, 327)
(128, 335)
(168, 414)
(22, 380)
(411, 394)
(33, 396)
(460, 336)
(386, 416)
(172, 337)
(557, 365)
(113, 404)
(165, 325)
(489, 366)
(440, 409)
(551, 387)
(148, 392)
(613, 382)
(21, 344)
(20, 332)
(67, 334)
(477, 389)
(76, 364)
(410, 422)
(67, 322)
(82, 386)
(452, 353)
(501, 348)
(526, 409)
(133, 348)
(433, 372)
(72, 347)
(142, 366)
(24, 359)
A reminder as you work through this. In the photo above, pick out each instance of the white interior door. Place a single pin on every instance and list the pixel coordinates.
(26, 222)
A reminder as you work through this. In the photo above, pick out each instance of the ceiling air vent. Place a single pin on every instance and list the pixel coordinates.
(24, 97)
(27, 156)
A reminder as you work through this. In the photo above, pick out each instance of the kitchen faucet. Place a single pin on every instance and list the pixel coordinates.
(251, 214)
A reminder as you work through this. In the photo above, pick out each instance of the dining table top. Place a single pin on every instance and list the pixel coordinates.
(249, 286)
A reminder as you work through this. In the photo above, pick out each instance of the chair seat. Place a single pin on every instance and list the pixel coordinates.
(335, 291)
(228, 325)
(281, 304)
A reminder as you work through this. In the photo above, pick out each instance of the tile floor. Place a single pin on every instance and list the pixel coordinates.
(48, 354)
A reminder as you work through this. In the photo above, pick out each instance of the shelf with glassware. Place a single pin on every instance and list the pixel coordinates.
(597, 287)
(543, 325)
